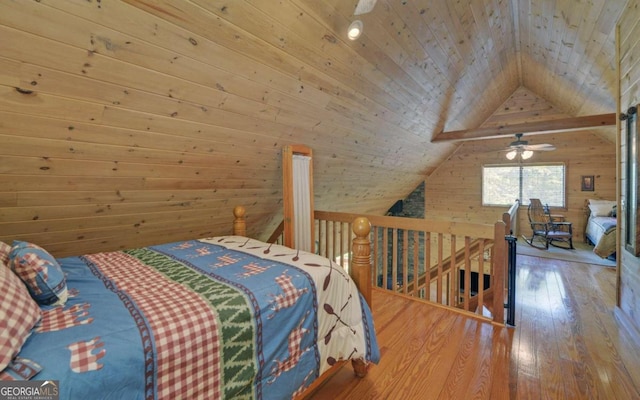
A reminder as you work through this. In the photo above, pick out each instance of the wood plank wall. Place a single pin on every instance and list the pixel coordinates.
(629, 58)
(127, 123)
(455, 188)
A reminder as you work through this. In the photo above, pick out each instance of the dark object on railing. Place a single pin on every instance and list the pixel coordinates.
(511, 279)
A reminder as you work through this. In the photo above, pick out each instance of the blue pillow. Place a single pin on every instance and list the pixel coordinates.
(40, 272)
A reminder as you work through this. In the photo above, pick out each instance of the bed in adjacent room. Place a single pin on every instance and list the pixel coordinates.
(221, 317)
(601, 226)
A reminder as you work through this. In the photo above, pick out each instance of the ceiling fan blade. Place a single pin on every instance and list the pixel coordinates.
(521, 146)
(364, 6)
(540, 147)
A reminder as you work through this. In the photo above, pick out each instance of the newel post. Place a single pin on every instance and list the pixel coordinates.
(239, 223)
(361, 257)
(499, 270)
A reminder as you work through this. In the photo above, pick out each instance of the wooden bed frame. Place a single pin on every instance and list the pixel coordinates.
(360, 271)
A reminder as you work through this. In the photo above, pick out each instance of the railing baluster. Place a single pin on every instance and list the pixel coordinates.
(405, 261)
(385, 259)
(468, 273)
(439, 284)
(321, 249)
(427, 265)
(337, 253)
(327, 237)
(416, 263)
(340, 238)
(454, 275)
(394, 260)
(480, 295)
(377, 266)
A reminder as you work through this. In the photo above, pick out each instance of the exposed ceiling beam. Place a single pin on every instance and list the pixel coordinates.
(551, 126)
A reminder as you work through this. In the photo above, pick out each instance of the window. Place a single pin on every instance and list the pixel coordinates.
(501, 184)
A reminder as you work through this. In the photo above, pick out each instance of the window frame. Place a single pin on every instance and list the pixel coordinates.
(520, 182)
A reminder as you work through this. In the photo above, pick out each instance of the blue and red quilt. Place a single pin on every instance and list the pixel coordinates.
(226, 317)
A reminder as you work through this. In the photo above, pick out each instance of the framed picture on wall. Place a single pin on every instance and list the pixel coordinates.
(588, 184)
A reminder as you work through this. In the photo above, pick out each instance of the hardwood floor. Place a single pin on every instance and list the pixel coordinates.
(567, 344)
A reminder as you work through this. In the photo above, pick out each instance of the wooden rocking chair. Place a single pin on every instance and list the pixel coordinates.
(546, 230)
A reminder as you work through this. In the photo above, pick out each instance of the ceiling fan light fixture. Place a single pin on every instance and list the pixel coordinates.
(355, 30)
(524, 150)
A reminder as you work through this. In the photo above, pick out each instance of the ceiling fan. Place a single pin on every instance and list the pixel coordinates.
(524, 149)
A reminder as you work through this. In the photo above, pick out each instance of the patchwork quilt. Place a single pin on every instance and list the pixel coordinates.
(217, 318)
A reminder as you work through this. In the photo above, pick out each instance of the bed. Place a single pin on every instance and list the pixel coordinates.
(221, 317)
(601, 226)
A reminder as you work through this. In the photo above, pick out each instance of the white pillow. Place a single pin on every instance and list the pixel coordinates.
(601, 208)
(18, 313)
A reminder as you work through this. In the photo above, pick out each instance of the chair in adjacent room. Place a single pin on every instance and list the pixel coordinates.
(546, 231)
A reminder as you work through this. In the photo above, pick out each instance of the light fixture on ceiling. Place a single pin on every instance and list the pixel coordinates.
(355, 30)
(524, 154)
(524, 150)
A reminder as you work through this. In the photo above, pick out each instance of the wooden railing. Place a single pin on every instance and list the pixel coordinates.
(455, 264)
(451, 263)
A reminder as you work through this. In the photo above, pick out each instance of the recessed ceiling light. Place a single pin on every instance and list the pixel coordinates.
(355, 30)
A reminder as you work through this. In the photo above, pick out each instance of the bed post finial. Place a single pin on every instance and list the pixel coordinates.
(361, 263)
(239, 223)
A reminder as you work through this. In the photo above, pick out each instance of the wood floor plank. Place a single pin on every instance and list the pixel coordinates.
(565, 339)
(400, 364)
(528, 282)
(567, 344)
(629, 350)
(416, 377)
(471, 378)
(597, 325)
(502, 388)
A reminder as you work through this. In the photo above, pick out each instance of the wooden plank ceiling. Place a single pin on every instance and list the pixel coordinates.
(142, 104)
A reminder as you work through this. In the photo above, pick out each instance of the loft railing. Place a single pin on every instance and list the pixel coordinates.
(456, 264)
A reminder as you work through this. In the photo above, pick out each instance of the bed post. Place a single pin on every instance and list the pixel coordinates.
(361, 274)
(361, 263)
(239, 223)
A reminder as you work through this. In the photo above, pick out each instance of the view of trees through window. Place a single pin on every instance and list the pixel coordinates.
(502, 185)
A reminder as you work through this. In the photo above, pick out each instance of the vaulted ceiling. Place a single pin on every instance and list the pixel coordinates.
(424, 67)
(451, 64)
